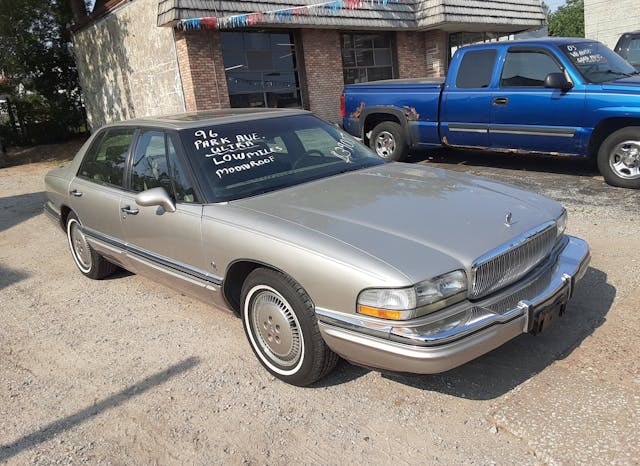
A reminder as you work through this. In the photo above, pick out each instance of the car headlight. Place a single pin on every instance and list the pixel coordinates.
(420, 299)
(561, 223)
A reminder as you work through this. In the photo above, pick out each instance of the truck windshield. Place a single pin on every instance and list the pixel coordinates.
(247, 158)
(597, 63)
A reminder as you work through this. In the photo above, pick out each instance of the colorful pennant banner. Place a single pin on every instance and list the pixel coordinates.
(281, 15)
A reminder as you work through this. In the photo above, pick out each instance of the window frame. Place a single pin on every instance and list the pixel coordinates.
(388, 36)
(541, 50)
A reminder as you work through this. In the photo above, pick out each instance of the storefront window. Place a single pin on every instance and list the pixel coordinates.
(366, 57)
(261, 69)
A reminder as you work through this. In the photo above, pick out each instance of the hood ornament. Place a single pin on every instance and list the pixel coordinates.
(508, 220)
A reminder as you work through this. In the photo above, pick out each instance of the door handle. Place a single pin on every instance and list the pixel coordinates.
(75, 193)
(500, 101)
(128, 210)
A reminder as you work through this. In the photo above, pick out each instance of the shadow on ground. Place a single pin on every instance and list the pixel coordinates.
(17, 209)
(59, 426)
(532, 163)
(505, 368)
(9, 276)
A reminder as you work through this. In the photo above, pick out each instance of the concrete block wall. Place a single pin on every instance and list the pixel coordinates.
(204, 82)
(128, 66)
(607, 20)
(323, 65)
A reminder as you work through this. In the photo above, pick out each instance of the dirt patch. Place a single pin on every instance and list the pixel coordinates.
(126, 371)
(54, 153)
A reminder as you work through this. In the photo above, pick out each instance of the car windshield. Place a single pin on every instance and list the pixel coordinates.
(243, 159)
(597, 63)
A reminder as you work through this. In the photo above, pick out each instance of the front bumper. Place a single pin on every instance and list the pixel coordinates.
(460, 333)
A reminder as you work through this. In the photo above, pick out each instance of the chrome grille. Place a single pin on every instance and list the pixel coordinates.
(512, 261)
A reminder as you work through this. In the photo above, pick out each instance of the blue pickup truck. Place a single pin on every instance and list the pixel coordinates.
(562, 97)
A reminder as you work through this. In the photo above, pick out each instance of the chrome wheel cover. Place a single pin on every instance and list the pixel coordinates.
(624, 160)
(275, 329)
(79, 247)
(385, 144)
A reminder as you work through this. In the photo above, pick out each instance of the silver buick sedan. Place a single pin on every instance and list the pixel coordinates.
(319, 246)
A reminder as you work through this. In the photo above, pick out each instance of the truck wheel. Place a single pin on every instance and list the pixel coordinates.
(281, 326)
(619, 158)
(388, 141)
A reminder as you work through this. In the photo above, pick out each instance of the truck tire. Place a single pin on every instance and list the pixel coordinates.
(619, 158)
(389, 142)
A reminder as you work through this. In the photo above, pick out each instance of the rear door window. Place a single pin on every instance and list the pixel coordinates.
(104, 163)
(476, 69)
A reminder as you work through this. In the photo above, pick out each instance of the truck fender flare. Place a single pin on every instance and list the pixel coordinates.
(397, 113)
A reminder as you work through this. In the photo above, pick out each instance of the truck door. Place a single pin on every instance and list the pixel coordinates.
(527, 116)
(466, 102)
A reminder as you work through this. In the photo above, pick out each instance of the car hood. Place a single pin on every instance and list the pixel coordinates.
(419, 220)
(630, 84)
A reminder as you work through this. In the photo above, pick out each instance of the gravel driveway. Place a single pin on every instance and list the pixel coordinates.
(127, 371)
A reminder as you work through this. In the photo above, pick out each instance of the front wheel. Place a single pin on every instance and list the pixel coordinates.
(389, 142)
(619, 158)
(280, 324)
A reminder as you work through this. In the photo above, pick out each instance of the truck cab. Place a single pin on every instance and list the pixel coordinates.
(560, 97)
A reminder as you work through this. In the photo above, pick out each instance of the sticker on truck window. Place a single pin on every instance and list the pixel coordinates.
(585, 54)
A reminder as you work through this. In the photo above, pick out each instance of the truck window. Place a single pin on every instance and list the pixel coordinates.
(527, 69)
(476, 69)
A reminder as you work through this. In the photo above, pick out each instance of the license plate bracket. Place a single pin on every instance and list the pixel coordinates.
(545, 316)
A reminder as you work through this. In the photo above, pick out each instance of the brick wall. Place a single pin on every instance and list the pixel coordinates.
(204, 82)
(437, 54)
(323, 64)
(411, 55)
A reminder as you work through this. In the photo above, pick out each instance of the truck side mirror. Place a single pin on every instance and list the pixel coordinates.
(557, 81)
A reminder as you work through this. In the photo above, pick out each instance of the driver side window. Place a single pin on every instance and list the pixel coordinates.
(155, 164)
(527, 69)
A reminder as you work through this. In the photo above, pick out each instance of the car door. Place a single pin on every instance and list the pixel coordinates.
(164, 245)
(527, 116)
(96, 191)
(466, 103)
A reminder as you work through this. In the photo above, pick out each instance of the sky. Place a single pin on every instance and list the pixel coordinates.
(554, 4)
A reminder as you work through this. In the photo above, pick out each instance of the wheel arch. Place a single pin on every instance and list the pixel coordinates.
(371, 117)
(237, 273)
(64, 215)
(605, 128)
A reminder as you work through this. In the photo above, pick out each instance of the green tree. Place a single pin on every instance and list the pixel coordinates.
(36, 55)
(568, 20)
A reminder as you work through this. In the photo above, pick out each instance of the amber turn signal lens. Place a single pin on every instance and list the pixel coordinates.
(381, 313)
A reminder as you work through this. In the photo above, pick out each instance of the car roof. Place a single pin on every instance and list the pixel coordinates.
(533, 42)
(188, 120)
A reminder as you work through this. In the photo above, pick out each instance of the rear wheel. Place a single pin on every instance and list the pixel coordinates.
(388, 141)
(280, 324)
(619, 158)
(88, 261)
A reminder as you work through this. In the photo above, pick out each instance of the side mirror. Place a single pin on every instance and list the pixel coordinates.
(156, 196)
(557, 81)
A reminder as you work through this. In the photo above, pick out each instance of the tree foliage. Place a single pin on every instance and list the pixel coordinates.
(568, 20)
(36, 59)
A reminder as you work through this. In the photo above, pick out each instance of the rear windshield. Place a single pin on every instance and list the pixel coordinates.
(597, 63)
(243, 159)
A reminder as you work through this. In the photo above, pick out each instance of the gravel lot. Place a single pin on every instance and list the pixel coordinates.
(127, 371)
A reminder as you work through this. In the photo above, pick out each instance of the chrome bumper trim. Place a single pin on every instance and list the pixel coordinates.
(453, 336)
